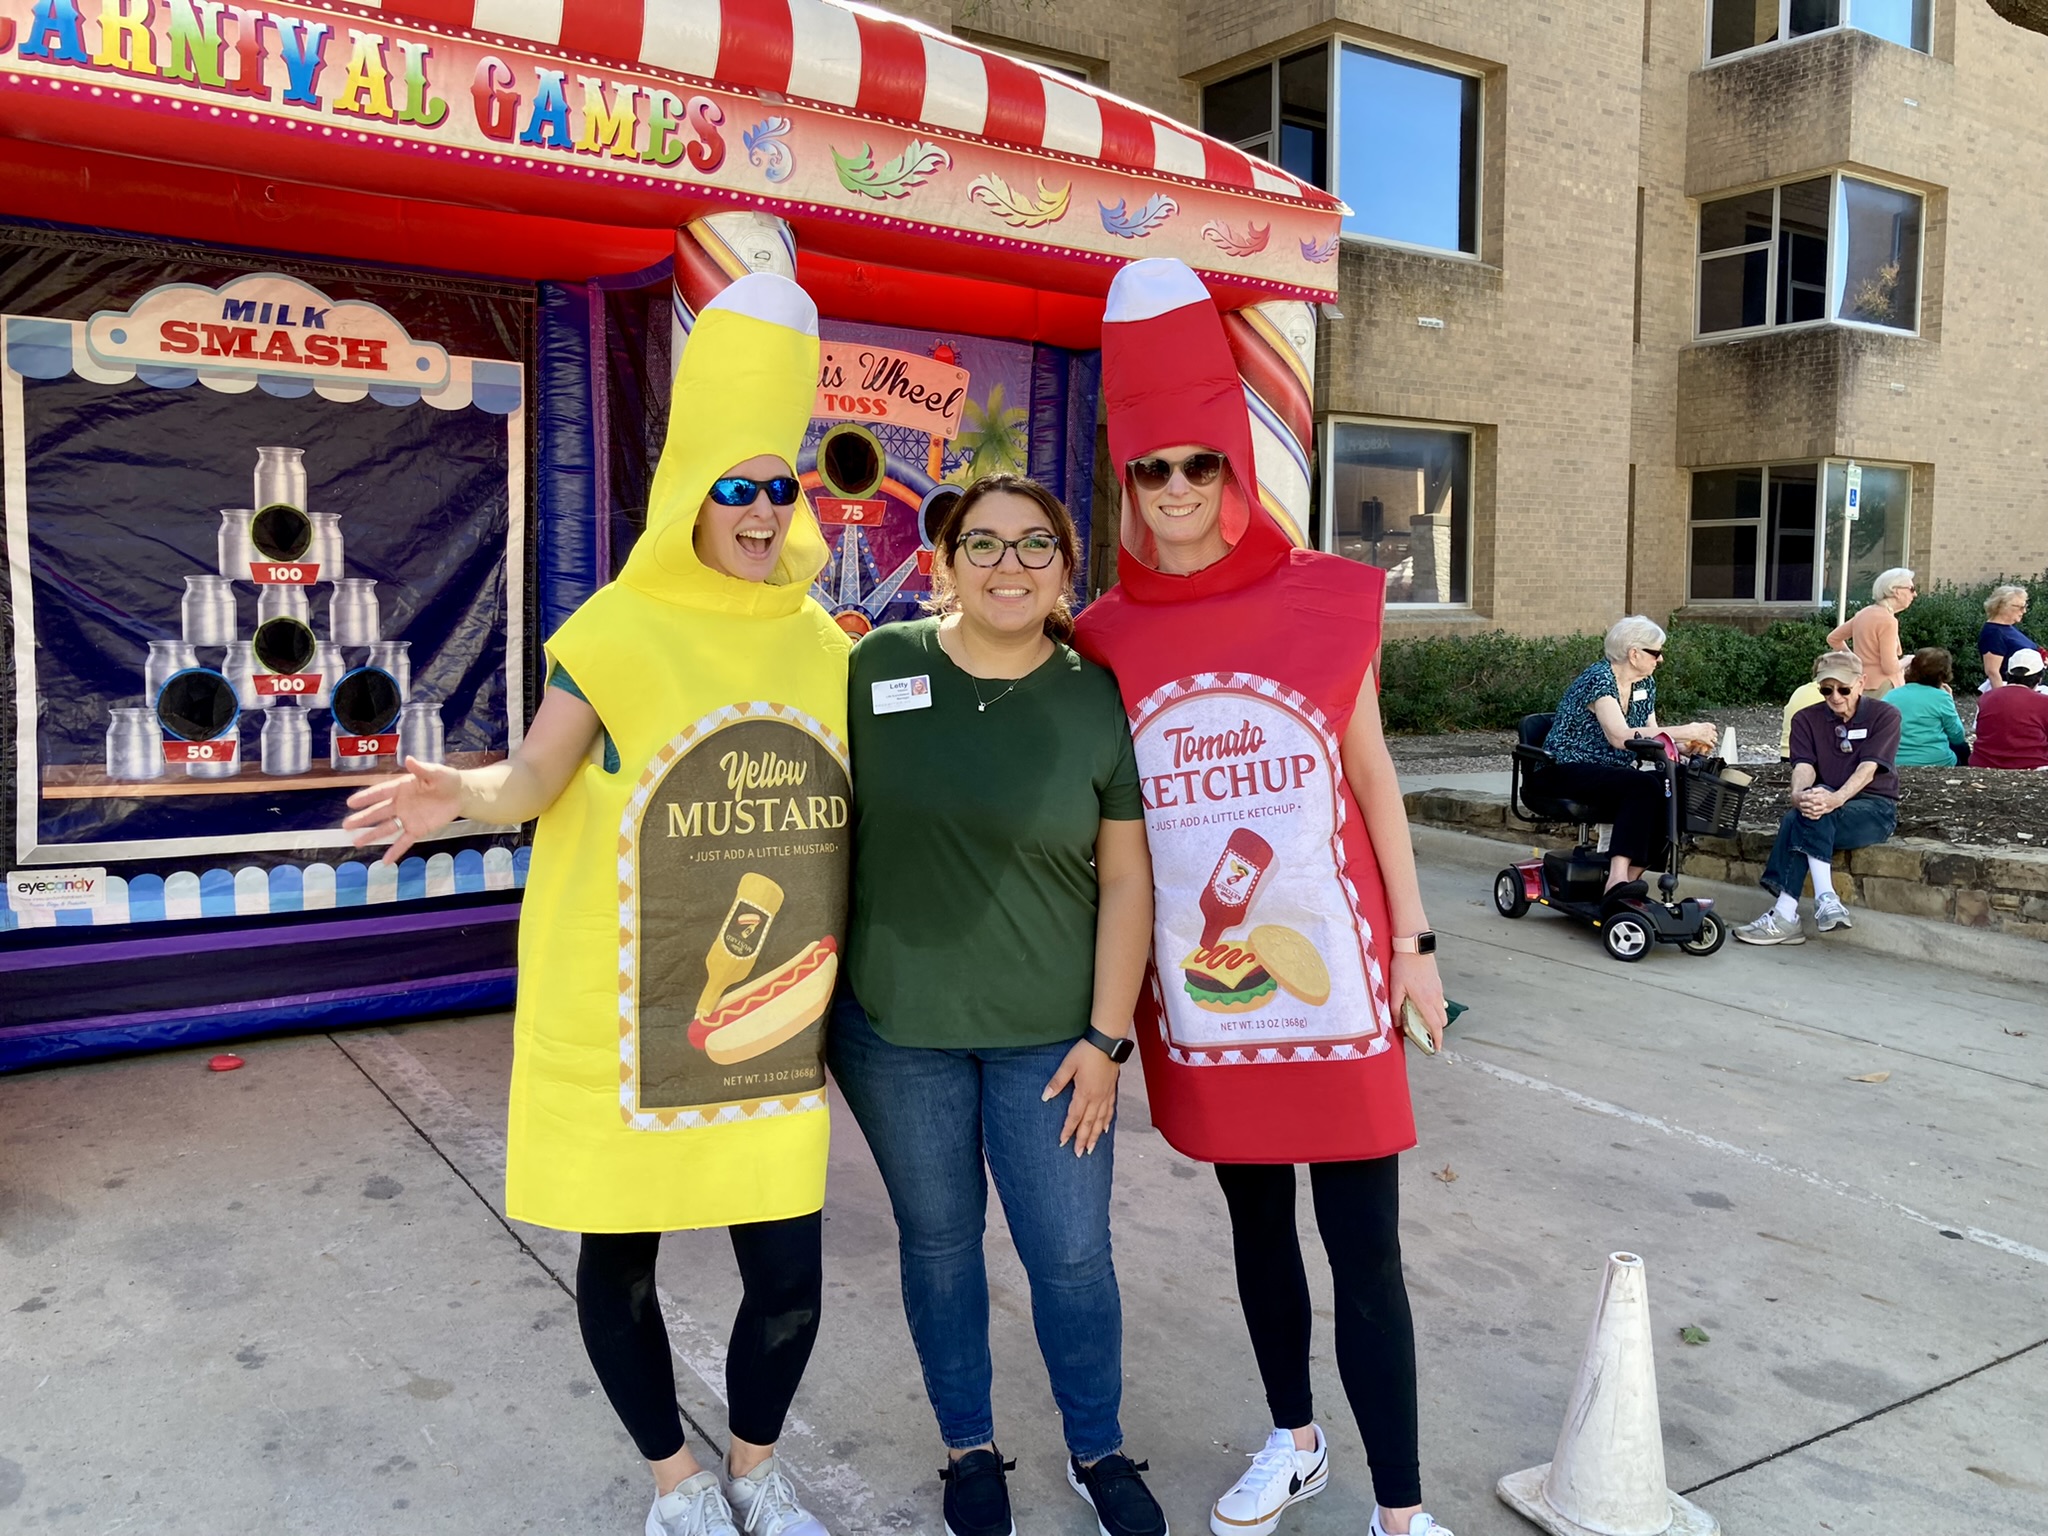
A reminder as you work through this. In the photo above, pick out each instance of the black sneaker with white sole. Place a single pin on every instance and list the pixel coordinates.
(977, 1496)
(1124, 1506)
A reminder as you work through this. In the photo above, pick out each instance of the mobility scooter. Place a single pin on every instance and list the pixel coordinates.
(1697, 799)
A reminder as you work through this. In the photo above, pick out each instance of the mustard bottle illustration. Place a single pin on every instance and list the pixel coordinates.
(740, 937)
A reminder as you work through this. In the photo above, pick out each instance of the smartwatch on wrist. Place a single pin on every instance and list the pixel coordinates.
(1423, 943)
(1117, 1048)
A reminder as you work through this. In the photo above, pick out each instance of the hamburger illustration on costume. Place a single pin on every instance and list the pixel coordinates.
(685, 913)
(1265, 1031)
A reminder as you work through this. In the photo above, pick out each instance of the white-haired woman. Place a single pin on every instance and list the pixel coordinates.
(2001, 635)
(1873, 632)
(1608, 705)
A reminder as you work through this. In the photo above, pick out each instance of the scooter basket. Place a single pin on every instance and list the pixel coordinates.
(1712, 805)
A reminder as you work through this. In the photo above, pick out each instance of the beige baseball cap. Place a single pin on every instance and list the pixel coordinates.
(1842, 666)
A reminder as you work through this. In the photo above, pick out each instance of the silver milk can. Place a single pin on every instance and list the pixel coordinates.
(420, 733)
(208, 611)
(352, 617)
(135, 745)
(236, 551)
(287, 742)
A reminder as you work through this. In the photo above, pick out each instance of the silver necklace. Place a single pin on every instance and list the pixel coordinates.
(980, 704)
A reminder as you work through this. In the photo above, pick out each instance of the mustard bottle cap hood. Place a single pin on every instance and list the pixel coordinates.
(744, 387)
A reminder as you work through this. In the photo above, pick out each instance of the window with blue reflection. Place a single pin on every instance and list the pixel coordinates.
(1905, 22)
(1408, 151)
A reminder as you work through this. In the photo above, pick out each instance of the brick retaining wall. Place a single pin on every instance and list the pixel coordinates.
(2005, 890)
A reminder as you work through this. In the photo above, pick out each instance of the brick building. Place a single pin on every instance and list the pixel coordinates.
(1629, 285)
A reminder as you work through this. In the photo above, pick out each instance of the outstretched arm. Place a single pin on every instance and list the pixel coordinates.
(428, 796)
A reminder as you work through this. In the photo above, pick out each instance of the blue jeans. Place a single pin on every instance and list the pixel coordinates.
(1862, 823)
(931, 1118)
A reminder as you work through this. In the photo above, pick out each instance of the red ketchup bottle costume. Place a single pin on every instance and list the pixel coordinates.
(1264, 1024)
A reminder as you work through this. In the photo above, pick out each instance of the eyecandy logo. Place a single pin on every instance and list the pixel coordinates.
(56, 890)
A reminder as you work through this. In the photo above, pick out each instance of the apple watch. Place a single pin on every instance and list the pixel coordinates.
(1423, 943)
(1117, 1048)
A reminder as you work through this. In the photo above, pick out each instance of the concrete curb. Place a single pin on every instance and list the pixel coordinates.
(1926, 940)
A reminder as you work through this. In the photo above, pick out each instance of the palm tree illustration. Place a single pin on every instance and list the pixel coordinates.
(993, 439)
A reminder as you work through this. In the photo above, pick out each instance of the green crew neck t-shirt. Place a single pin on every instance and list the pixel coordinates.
(974, 892)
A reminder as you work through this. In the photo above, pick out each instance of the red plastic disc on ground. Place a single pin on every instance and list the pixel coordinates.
(223, 1063)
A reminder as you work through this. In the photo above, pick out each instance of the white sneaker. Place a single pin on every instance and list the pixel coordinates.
(694, 1507)
(766, 1504)
(1771, 929)
(1829, 913)
(1278, 1476)
(1420, 1525)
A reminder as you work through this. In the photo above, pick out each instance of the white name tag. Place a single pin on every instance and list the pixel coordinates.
(1639, 695)
(1858, 734)
(895, 694)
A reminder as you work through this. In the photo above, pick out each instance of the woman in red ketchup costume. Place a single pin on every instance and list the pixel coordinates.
(1289, 925)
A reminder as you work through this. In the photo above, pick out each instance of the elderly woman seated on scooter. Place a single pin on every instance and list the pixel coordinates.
(1845, 794)
(1611, 703)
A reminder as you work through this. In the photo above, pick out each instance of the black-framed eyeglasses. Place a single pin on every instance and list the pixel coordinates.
(1199, 469)
(1035, 551)
(740, 491)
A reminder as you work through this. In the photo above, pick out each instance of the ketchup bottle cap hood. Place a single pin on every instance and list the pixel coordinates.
(1168, 378)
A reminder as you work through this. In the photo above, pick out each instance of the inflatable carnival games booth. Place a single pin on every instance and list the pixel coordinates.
(335, 344)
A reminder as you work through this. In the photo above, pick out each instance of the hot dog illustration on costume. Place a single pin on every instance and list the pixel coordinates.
(734, 853)
(1241, 781)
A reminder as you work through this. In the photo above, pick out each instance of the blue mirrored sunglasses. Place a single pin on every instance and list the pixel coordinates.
(739, 491)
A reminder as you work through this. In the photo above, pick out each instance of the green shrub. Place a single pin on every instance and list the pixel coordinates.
(1489, 681)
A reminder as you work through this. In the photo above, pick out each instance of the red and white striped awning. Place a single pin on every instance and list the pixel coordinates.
(878, 140)
(839, 54)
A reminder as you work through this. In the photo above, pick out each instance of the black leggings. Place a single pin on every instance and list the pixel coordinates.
(1629, 798)
(1358, 1211)
(782, 1269)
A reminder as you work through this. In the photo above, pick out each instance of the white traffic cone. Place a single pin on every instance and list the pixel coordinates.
(1607, 1478)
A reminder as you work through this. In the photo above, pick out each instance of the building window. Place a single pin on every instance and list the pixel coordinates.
(1406, 138)
(1399, 496)
(1279, 112)
(1772, 533)
(1878, 539)
(1735, 26)
(1830, 248)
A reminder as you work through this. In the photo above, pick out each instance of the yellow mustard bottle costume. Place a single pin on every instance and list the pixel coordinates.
(684, 916)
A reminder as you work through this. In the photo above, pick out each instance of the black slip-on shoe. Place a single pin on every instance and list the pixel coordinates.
(977, 1496)
(1123, 1505)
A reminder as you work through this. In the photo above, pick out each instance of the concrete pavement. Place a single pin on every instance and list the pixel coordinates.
(285, 1294)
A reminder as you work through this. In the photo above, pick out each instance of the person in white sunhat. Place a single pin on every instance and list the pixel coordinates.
(1289, 929)
(2012, 722)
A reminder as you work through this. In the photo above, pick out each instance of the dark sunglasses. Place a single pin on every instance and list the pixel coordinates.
(1035, 551)
(1199, 469)
(1838, 691)
(1648, 652)
(739, 491)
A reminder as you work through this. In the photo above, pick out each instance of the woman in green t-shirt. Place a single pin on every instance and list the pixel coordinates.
(1002, 914)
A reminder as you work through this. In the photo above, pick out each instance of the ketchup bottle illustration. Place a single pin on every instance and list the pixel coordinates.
(1228, 895)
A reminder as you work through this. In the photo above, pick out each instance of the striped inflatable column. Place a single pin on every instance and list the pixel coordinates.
(712, 252)
(1275, 348)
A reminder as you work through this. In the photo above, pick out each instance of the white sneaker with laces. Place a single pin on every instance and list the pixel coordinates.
(766, 1504)
(694, 1507)
(1770, 929)
(1279, 1476)
(1829, 913)
(1423, 1524)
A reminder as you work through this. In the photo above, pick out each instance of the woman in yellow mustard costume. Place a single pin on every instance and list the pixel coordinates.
(687, 903)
